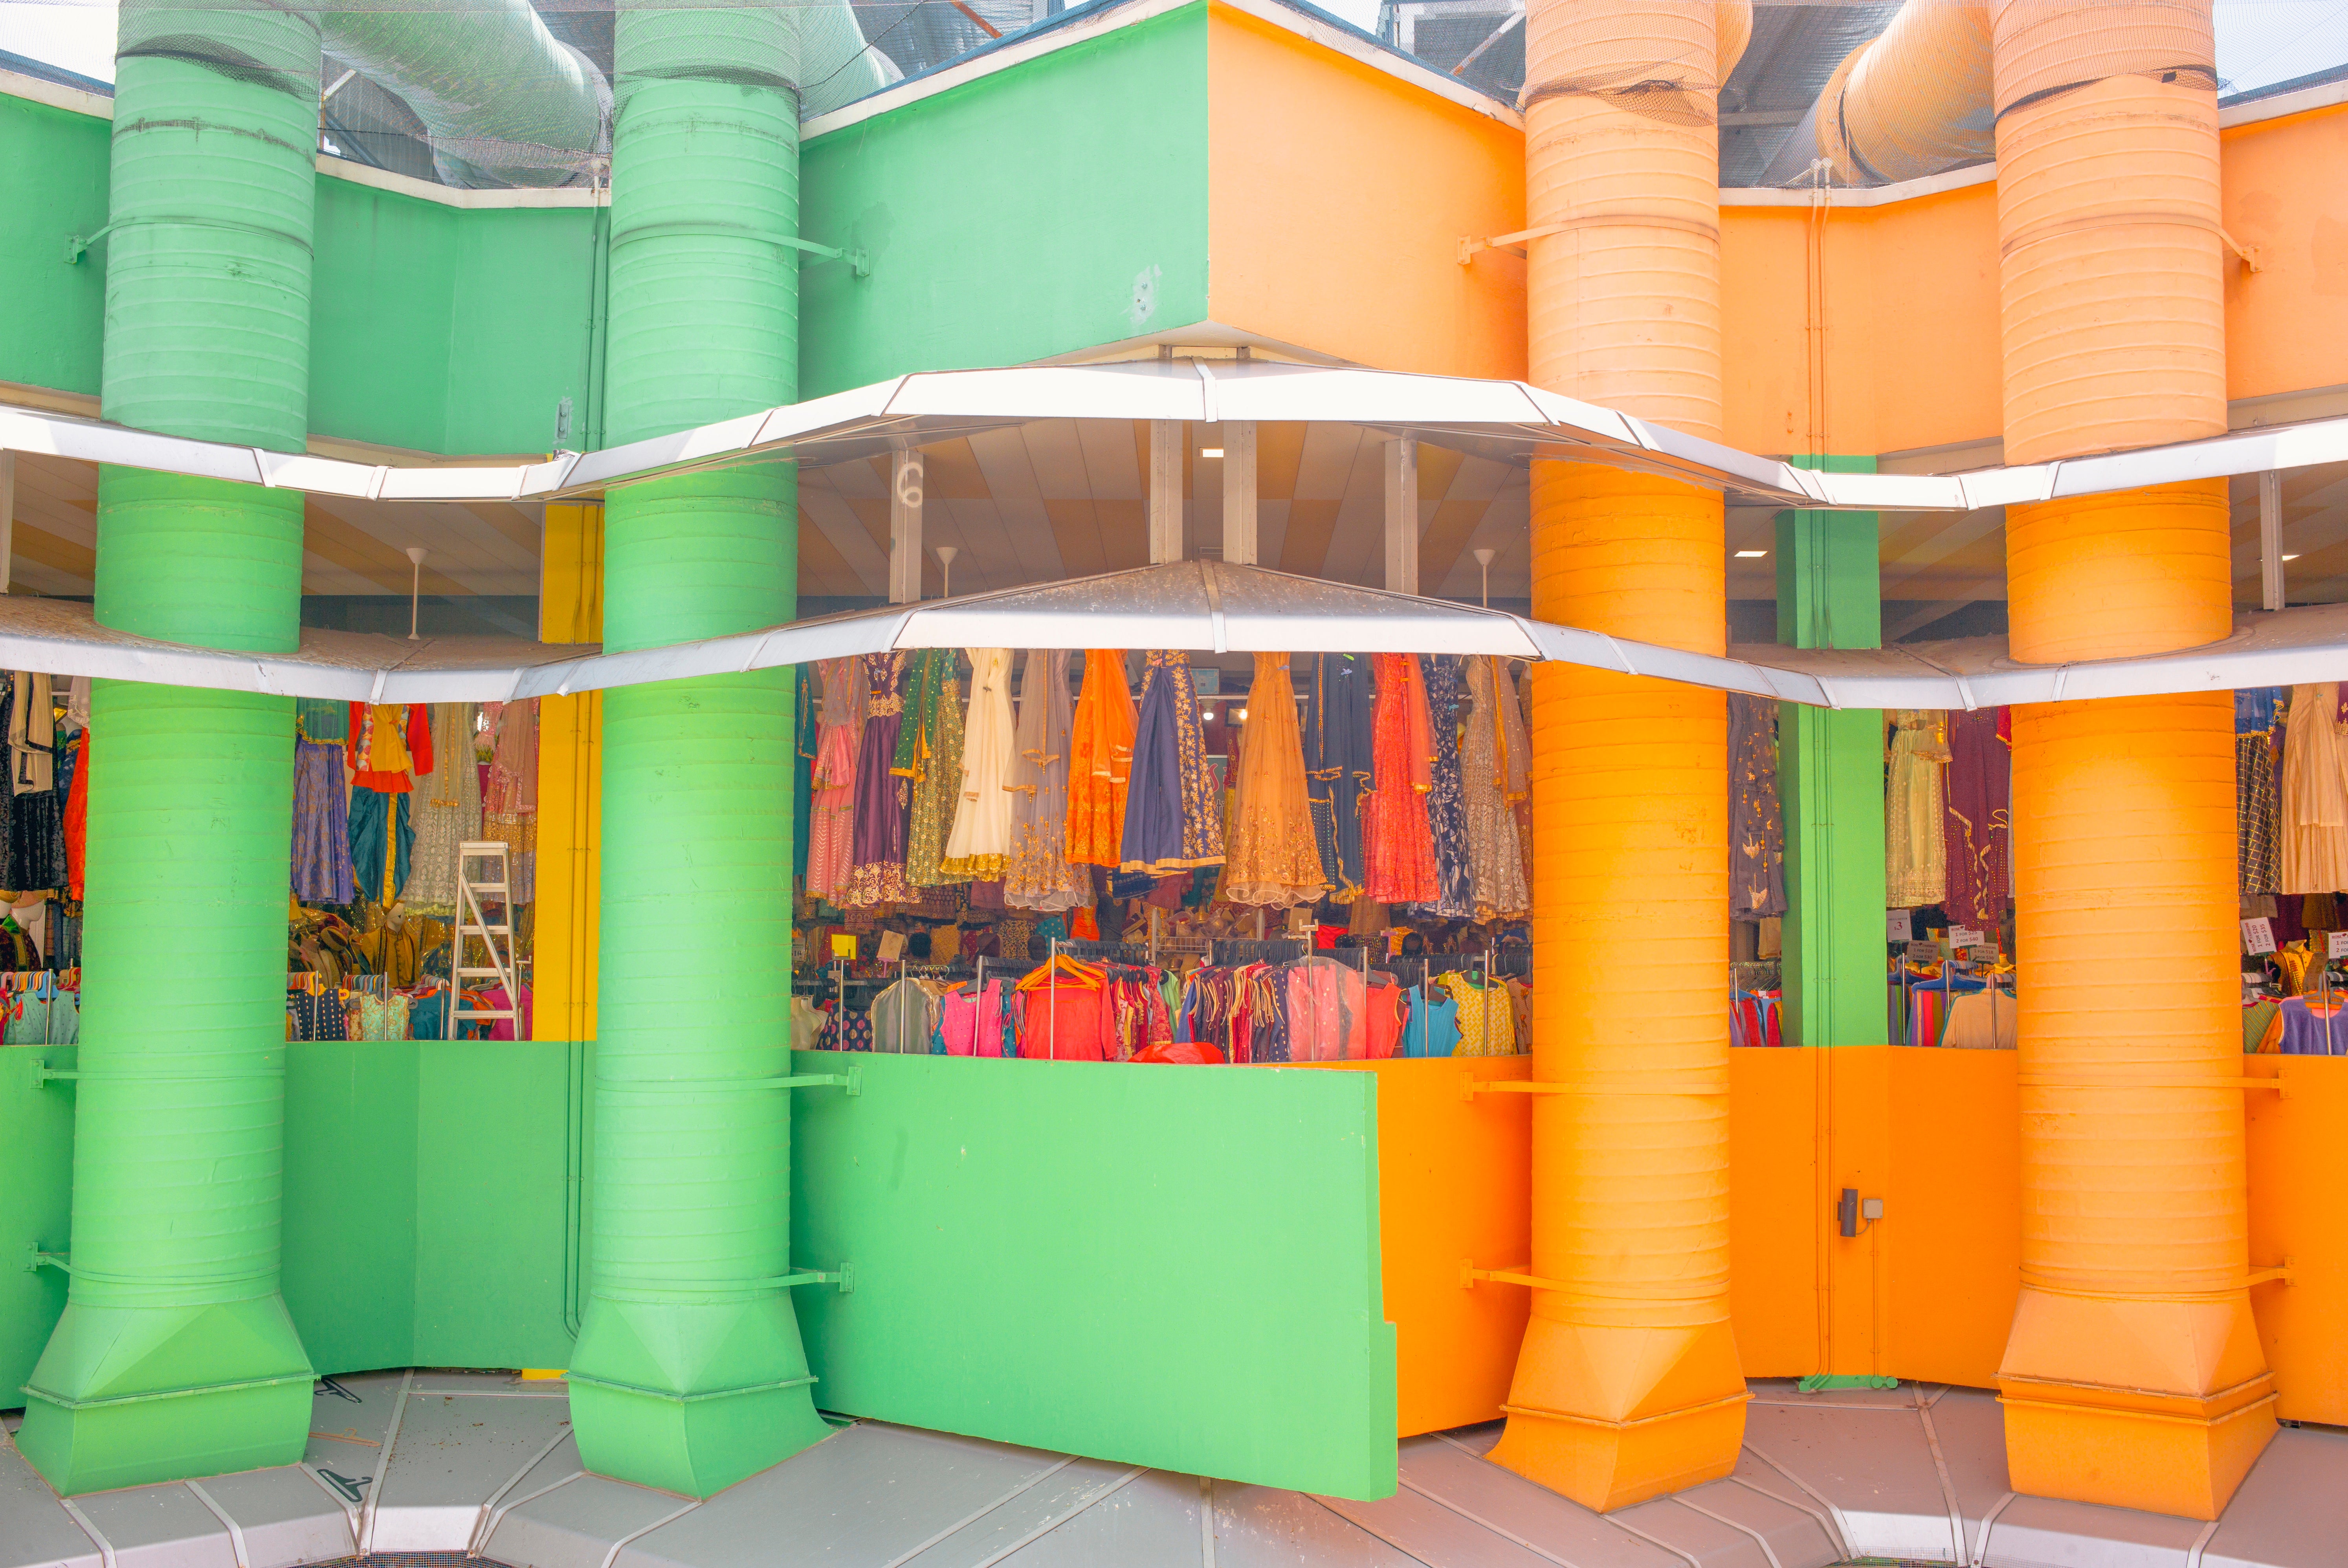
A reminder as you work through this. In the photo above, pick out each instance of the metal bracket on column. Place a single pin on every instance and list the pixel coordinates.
(844, 1276)
(851, 1081)
(37, 1260)
(2280, 1274)
(1473, 1087)
(45, 1073)
(1514, 1274)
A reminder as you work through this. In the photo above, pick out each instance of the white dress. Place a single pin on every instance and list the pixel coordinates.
(1915, 854)
(980, 842)
(2314, 793)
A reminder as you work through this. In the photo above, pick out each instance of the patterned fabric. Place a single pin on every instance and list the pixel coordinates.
(1100, 762)
(1447, 802)
(1915, 847)
(883, 800)
(937, 773)
(831, 817)
(321, 719)
(1980, 817)
(382, 843)
(1338, 767)
(806, 726)
(979, 847)
(1485, 762)
(1757, 826)
(448, 809)
(1486, 1026)
(1173, 817)
(1039, 874)
(33, 823)
(322, 844)
(382, 1018)
(2258, 802)
(1275, 860)
(1397, 841)
(510, 797)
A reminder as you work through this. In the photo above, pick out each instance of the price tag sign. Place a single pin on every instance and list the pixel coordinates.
(843, 947)
(1963, 936)
(1984, 953)
(1898, 925)
(1924, 952)
(2335, 944)
(2257, 936)
(892, 946)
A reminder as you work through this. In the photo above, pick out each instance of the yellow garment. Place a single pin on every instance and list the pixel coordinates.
(386, 748)
(1486, 1023)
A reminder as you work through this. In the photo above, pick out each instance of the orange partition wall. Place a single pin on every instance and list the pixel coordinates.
(2299, 1169)
(1454, 1189)
(1338, 194)
(2285, 196)
(569, 783)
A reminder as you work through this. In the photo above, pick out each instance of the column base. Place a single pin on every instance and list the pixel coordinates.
(691, 1399)
(130, 1396)
(1612, 1417)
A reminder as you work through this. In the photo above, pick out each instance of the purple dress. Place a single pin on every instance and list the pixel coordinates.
(883, 800)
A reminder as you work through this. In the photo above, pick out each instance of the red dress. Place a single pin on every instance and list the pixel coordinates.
(1398, 839)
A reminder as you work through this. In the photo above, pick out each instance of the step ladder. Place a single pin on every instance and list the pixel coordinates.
(498, 880)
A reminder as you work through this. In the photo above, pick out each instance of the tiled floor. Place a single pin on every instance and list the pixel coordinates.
(450, 1462)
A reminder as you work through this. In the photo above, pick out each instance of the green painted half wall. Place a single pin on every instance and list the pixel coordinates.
(1830, 772)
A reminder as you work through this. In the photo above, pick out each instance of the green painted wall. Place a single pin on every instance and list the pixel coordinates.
(37, 1129)
(1830, 771)
(1014, 218)
(1169, 1268)
(52, 183)
(448, 330)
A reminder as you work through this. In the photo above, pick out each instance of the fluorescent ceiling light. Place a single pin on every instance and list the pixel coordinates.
(1211, 451)
(1751, 555)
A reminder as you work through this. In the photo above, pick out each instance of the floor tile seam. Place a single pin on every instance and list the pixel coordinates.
(371, 1507)
(1616, 1523)
(1768, 1553)
(1049, 1525)
(350, 1513)
(669, 1518)
(1989, 1522)
(235, 1531)
(1376, 1535)
(2201, 1543)
(966, 1520)
(480, 1537)
(1841, 1525)
(1481, 1522)
(89, 1528)
(1948, 1487)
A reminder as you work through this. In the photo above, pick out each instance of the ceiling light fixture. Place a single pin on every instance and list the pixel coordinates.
(2290, 558)
(1751, 555)
(1211, 451)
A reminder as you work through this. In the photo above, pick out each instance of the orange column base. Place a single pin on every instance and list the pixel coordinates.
(2125, 1440)
(1617, 1416)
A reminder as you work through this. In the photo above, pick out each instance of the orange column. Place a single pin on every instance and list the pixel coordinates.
(2133, 1374)
(1628, 1385)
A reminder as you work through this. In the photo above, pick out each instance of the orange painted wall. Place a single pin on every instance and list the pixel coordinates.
(2298, 1170)
(2286, 196)
(1337, 197)
(1453, 1188)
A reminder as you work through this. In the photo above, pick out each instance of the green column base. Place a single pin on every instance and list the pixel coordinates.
(125, 1396)
(1825, 1383)
(691, 1397)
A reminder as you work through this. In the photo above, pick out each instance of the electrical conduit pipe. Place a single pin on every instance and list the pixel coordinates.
(175, 1355)
(690, 1373)
(1628, 1385)
(2133, 1374)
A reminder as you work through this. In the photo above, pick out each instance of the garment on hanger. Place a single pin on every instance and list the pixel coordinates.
(445, 811)
(1433, 1029)
(884, 801)
(323, 868)
(382, 843)
(1757, 824)
(932, 758)
(1272, 860)
(1040, 872)
(1487, 1026)
(1338, 768)
(76, 826)
(831, 815)
(32, 821)
(1979, 817)
(1100, 761)
(1173, 819)
(2314, 804)
(1397, 842)
(510, 797)
(2304, 1026)
(978, 849)
(32, 735)
(1493, 776)
(1064, 1013)
(1915, 836)
(2258, 801)
(1441, 675)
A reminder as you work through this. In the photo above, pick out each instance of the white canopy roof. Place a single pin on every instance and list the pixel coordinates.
(1206, 607)
(1505, 419)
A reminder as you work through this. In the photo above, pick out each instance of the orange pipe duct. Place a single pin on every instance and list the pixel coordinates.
(2133, 1374)
(1628, 1384)
(1914, 100)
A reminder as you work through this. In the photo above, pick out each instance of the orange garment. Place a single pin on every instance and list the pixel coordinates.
(1100, 761)
(380, 756)
(1273, 860)
(1397, 838)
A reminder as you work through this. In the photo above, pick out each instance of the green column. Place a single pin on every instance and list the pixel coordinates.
(690, 1373)
(1831, 768)
(175, 1355)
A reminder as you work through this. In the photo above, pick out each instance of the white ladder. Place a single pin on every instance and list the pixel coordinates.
(471, 922)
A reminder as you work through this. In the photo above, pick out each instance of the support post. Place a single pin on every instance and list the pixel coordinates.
(1402, 514)
(1239, 492)
(7, 519)
(2271, 576)
(1165, 491)
(907, 473)
(1830, 774)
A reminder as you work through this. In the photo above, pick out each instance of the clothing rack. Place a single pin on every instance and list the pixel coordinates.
(1115, 952)
(1231, 952)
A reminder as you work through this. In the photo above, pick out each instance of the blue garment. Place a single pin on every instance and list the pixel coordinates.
(372, 816)
(321, 829)
(1433, 1026)
(2254, 709)
(427, 1017)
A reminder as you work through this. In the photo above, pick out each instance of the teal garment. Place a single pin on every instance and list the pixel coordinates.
(804, 720)
(371, 815)
(1433, 1026)
(323, 720)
